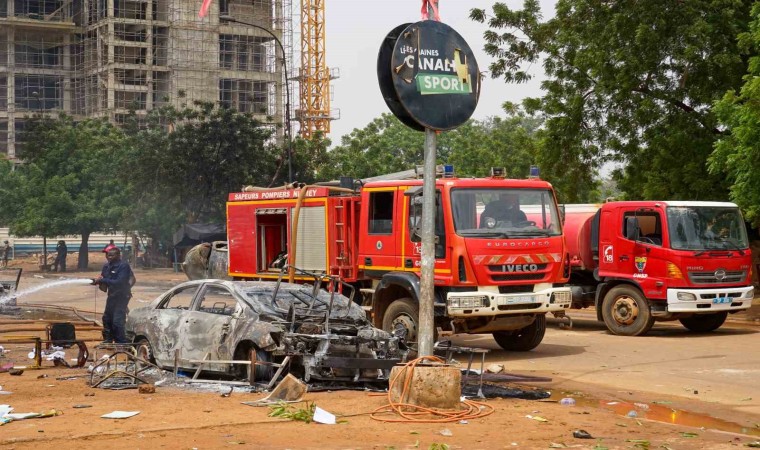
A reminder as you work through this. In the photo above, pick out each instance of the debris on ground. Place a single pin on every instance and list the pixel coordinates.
(324, 417)
(146, 389)
(289, 390)
(582, 434)
(495, 391)
(567, 401)
(536, 418)
(16, 372)
(120, 414)
(495, 368)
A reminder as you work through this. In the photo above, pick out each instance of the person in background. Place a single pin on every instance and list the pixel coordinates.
(117, 280)
(6, 253)
(60, 259)
(109, 246)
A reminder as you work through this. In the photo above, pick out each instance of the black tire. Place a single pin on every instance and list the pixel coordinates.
(144, 350)
(626, 312)
(703, 323)
(524, 339)
(263, 373)
(403, 318)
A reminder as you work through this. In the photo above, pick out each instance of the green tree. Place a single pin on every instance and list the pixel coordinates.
(738, 153)
(68, 183)
(628, 81)
(183, 162)
(386, 145)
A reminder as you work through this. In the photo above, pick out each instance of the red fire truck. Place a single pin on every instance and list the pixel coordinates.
(496, 275)
(639, 262)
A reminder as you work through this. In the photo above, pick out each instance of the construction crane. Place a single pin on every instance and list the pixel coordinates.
(314, 78)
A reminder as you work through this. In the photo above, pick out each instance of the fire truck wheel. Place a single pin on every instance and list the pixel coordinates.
(402, 319)
(626, 312)
(524, 339)
(702, 323)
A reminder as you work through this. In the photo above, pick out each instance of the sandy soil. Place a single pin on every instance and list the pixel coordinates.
(183, 417)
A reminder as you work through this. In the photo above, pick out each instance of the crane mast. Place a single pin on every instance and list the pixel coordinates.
(314, 112)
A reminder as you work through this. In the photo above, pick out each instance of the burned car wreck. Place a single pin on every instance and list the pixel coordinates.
(315, 335)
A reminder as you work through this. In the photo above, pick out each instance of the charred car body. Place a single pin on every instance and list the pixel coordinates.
(323, 336)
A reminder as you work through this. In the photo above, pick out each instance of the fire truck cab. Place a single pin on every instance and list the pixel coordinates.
(500, 257)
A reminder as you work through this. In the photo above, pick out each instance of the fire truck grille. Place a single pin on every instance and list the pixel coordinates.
(519, 277)
(726, 276)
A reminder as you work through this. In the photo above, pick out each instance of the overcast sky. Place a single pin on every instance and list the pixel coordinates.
(355, 30)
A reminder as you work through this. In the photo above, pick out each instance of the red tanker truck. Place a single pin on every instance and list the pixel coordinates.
(639, 262)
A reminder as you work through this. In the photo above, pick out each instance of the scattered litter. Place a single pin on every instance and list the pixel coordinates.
(582, 434)
(687, 434)
(146, 389)
(632, 414)
(289, 390)
(39, 415)
(463, 422)
(537, 418)
(495, 368)
(661, 402)
(16, 372)
(746, 399)
(696, 392)
(754, 444)
(81, 406)
(612, 403)
(89, 394)
(5, 409)
(120, 414)
(641, 405)
(5, 392)
(446, 432)
(322, 416)
(38, 276)
(44, 375)
(567, 401)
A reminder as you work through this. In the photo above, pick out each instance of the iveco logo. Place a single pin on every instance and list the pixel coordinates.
(720, 274)
(521, 267)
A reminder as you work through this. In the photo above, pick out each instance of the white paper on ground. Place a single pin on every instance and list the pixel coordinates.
(22, 416)
(322, 416)
(120, 414)
(5, 393)
(5, 409)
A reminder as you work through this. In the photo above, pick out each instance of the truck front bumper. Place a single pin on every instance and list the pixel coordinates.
(485, 303)
(710, 300)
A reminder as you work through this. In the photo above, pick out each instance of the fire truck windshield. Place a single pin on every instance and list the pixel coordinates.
(504, 213)
(706, 228)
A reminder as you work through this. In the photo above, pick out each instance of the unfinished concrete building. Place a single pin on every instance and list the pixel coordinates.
(101, 58)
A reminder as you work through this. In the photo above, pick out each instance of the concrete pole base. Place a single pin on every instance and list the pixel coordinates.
(432, 386)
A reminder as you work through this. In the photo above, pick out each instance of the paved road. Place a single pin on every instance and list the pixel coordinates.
(721, 367)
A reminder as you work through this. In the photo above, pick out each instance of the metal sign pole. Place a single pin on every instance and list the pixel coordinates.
(427, 269)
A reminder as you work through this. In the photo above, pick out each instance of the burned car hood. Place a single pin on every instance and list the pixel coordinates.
(280, 303)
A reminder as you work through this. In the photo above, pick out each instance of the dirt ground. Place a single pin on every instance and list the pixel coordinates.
(183, 417)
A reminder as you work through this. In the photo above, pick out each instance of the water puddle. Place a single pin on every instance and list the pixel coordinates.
(660, 412)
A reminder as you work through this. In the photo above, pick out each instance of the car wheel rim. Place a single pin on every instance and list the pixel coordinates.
(625, 310)
(404, 326)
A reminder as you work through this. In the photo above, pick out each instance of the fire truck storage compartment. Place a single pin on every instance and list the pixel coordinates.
(271, 224)
(311, 248)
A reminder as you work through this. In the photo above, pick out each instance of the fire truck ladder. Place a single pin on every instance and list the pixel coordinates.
(343, 267)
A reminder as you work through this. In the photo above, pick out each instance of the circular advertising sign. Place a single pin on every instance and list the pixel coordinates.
(428, 76)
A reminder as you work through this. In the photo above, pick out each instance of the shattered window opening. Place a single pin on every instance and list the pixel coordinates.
(180, 299)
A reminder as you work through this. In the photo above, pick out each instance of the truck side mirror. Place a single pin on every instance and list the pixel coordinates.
(562, 214)
(631, 228)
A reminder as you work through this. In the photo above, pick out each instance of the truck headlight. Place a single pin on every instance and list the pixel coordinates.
(750, 293)
(560, 297)
(475, 301)
(686, 297)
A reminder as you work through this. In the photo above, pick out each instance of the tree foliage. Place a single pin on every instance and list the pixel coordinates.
(183, 162)
(738, 153)
(386, 145)
(68, 184)
(627, 81)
